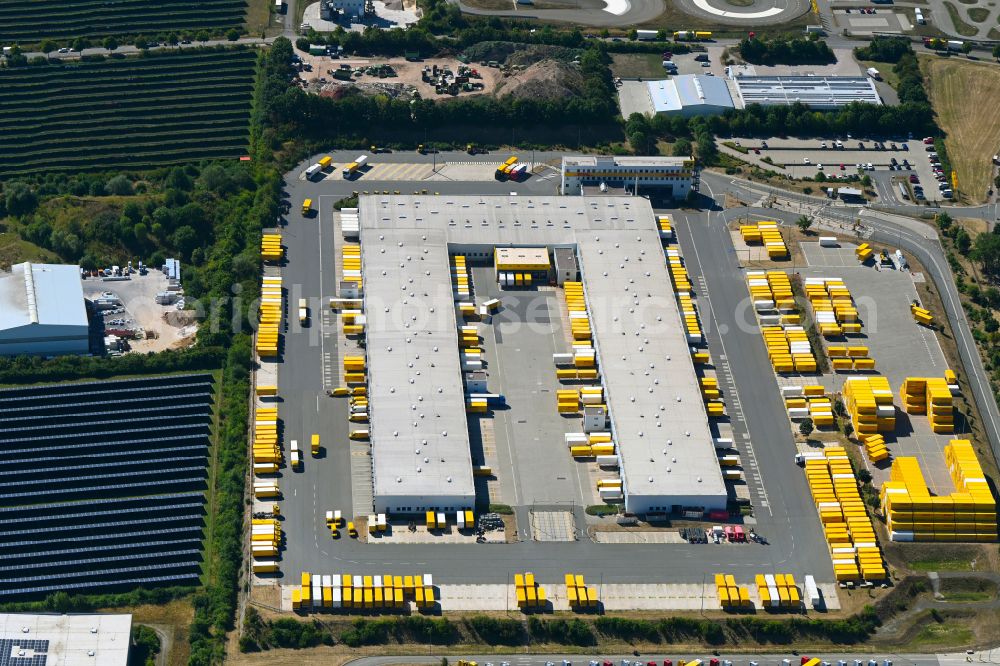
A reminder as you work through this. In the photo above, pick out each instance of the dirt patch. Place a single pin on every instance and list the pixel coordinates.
(171, 620)
(408, 78)
(547, 79)
(511, 53)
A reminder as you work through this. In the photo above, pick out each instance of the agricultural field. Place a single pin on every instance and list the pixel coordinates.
(965, 96)
(31, 21)
(165, 108)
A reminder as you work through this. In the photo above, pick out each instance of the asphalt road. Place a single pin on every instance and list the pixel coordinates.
(324, 483)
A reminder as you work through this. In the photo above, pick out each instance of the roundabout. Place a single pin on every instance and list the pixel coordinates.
(750, 13)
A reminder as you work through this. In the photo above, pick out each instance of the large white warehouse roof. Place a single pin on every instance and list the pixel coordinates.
(46, 294)
(659, 418)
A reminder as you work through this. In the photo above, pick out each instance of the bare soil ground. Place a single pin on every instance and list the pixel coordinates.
(171, 620)
(408, 73)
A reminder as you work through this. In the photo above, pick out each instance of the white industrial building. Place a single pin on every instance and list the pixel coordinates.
(671, 176)
(818, 92)
(690, 95)
(420, 441)
(42, 310)
(65, 640)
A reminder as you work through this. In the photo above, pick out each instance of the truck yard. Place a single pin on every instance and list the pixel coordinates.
(521, 452)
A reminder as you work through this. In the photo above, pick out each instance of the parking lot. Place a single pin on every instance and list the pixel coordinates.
(838, 159)
(900, 347)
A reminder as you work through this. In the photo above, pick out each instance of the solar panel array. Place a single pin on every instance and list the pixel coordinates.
(102, 485)
(22, 652)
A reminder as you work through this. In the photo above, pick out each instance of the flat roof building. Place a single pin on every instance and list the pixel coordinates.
(670, 176)
(818, 92)
(690, 95)
(42, 310)
(64, 640)
(420, 440)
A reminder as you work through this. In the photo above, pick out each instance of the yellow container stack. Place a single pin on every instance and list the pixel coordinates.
(270, 316)
(529, 594)
(913, 514)
(265, 541)
(921, 315)
(666, 226)
(789, 349)
(347, 591)
(354, 369)
(731, 596)
(930, 396)
(584, 357)
(771, 289)
(833, 307)
(778, 591)
(863, 252)
(460, 277)
(678, 274)
(270, 247)
(869, 402)
(568, 401)
(690, 315)
(875, 447)
(848, 530)
(266, 449)
(580, 596)
(351, 263)
(811, 402)
(845, 358)
(768, 234)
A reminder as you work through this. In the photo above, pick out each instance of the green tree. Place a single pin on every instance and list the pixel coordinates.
(202, 36)
(806, 427)
(140, 42)
(682, 147)
(866, 181)
(19, 199)
(120, 186)
(986, 252)
(996, 51)
(943, 220)
(804, 222)
(110, 43)
(966, 48)
(232, 34)
(80, 43)
(48, 46)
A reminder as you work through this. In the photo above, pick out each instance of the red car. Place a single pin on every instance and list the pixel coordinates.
(913, 178)
(928, 140)
(841, 167)
(713, 662)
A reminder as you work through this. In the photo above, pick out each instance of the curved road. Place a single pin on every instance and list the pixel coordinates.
(921, 240)
(639, 12)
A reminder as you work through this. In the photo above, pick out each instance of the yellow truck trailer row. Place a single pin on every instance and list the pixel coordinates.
(389, 591)
(529, 594)
(270, 316)
(848, 530)
(913, 514)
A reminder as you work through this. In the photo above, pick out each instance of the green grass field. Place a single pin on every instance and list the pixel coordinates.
(633, 65)
(126, 113)
(965, 96)
(31, 21)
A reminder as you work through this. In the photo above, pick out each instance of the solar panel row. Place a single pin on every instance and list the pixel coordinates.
(105, 434)
(194, 435)
(101, 484)
(100, 387)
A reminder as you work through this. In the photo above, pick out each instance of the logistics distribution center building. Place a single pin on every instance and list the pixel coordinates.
(420, 439)
(818, 92)
(42, 310)
(28, 639)
(690, 95)
(672, 176)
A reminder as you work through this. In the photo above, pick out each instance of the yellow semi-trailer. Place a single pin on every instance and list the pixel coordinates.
(325, 162)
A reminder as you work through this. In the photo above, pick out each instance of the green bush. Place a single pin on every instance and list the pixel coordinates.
(145, 646)
(494, 631)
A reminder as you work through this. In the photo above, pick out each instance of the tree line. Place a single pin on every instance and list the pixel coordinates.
(779, 51)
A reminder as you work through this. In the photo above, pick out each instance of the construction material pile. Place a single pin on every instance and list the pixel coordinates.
(913, 514)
